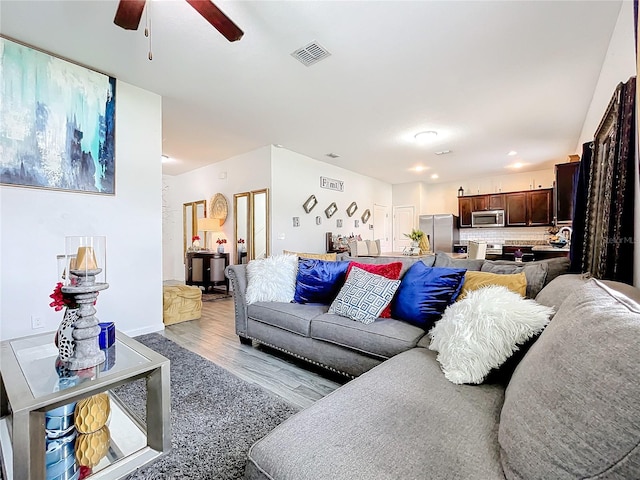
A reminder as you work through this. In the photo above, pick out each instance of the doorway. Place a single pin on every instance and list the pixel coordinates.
(382, 227)
(404, 220)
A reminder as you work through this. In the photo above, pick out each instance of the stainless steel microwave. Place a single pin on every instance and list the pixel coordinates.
(487, 218)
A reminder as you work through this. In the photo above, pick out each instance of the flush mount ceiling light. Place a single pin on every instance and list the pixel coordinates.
(435, 175)
(512, 153)
(516, 165)
(420, 168)
(426, 136)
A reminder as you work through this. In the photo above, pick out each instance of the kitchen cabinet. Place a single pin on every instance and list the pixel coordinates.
(566, 181)
(540, 207)
(496, 202)
(479, 202)
(531, 208)
(465, 207)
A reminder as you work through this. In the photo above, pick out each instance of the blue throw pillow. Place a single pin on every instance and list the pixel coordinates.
(319, 281)
(425, 293)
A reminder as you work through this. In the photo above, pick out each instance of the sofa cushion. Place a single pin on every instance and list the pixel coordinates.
(480, 332)
(292, 317)
(383, 338)
(329, 257)
(536, 273)
(387, 270)
(364, 296)
(444, 260)
(572, 407)
(425, 292)
(272, 279)
(516, 282)
(401, 420)
(319, 281)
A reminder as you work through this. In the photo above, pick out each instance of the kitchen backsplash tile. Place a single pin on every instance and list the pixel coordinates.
(506, 234)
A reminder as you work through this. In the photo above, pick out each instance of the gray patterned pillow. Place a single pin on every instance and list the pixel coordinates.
(364, 296)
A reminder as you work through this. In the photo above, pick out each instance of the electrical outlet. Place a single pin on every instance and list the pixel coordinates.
(36, 322)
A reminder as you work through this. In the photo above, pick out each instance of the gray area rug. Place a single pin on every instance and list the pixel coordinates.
(215, 416)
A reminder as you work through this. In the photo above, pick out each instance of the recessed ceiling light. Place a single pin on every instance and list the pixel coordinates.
(419, 168)
(443, 152)
(332, 155)
(426, 136)
(434, 176)
(512, 153)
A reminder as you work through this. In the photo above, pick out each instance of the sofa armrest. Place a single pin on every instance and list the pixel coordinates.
(237, 275)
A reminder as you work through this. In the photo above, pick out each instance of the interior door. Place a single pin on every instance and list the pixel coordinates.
(382, 227)
(404, 220)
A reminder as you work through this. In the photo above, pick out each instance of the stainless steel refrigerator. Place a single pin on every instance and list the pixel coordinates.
(442, 231)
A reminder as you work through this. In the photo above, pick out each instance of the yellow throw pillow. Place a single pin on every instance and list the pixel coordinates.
(516, 282)
(330, 257)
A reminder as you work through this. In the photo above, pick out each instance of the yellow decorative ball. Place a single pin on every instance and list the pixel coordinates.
(92, 413)
(91, 447)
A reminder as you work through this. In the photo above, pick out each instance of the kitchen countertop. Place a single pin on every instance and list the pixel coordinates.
(549, 248)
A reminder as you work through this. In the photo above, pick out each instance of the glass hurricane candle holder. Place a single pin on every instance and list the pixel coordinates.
(85, 275)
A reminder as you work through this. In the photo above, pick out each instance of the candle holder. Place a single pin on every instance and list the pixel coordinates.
(81, 285)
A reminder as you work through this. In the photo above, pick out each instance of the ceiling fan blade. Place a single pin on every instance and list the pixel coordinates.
(219, 20)
(129, 14)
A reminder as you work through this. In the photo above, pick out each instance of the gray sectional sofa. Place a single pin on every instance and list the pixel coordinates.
(570, 410)
(341, 345)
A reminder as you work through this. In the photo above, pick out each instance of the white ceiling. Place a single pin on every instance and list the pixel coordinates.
(488, 76)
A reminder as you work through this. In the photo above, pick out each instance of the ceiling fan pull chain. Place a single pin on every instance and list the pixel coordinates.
(147, 28)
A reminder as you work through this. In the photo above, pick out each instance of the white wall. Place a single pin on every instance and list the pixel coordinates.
(249, 171)
(294, 178)
(34, 224)
(619, 64)
(443, 197)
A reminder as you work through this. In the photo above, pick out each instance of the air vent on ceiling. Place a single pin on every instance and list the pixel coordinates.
(310, 54)
(332, 155)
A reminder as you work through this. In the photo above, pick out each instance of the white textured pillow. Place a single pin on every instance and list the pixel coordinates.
(480, 332)
(272, 279)
(364, 296)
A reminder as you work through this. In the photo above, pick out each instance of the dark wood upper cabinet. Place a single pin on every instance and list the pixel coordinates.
(480, 203)
(529, 209)
(540, 207)
(465, 207)
(496, 202)
(566, 180)
(516, 209)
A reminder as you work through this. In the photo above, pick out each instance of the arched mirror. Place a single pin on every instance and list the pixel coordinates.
(252, 225)
(260, 223)
(242, 225)
(191, 212)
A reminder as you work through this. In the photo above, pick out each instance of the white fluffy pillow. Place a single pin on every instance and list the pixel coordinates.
(480, 332)
(272, 279)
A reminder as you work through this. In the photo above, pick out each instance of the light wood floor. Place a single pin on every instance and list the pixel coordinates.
(213, 337)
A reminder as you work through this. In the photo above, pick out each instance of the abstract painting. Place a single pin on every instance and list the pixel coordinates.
(57, 122)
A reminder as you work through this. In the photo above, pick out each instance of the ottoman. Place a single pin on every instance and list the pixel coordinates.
(180, 303)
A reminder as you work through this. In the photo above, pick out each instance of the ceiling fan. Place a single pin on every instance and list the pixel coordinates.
(129, 14)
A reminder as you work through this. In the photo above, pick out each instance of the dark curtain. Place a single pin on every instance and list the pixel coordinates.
(607, 236)
(580, 208)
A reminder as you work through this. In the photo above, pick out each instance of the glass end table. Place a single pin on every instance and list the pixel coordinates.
(29, 386)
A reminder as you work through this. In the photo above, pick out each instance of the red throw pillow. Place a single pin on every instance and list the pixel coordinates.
(387, 270)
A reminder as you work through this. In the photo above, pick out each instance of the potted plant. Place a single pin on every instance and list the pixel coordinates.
(415, 236)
